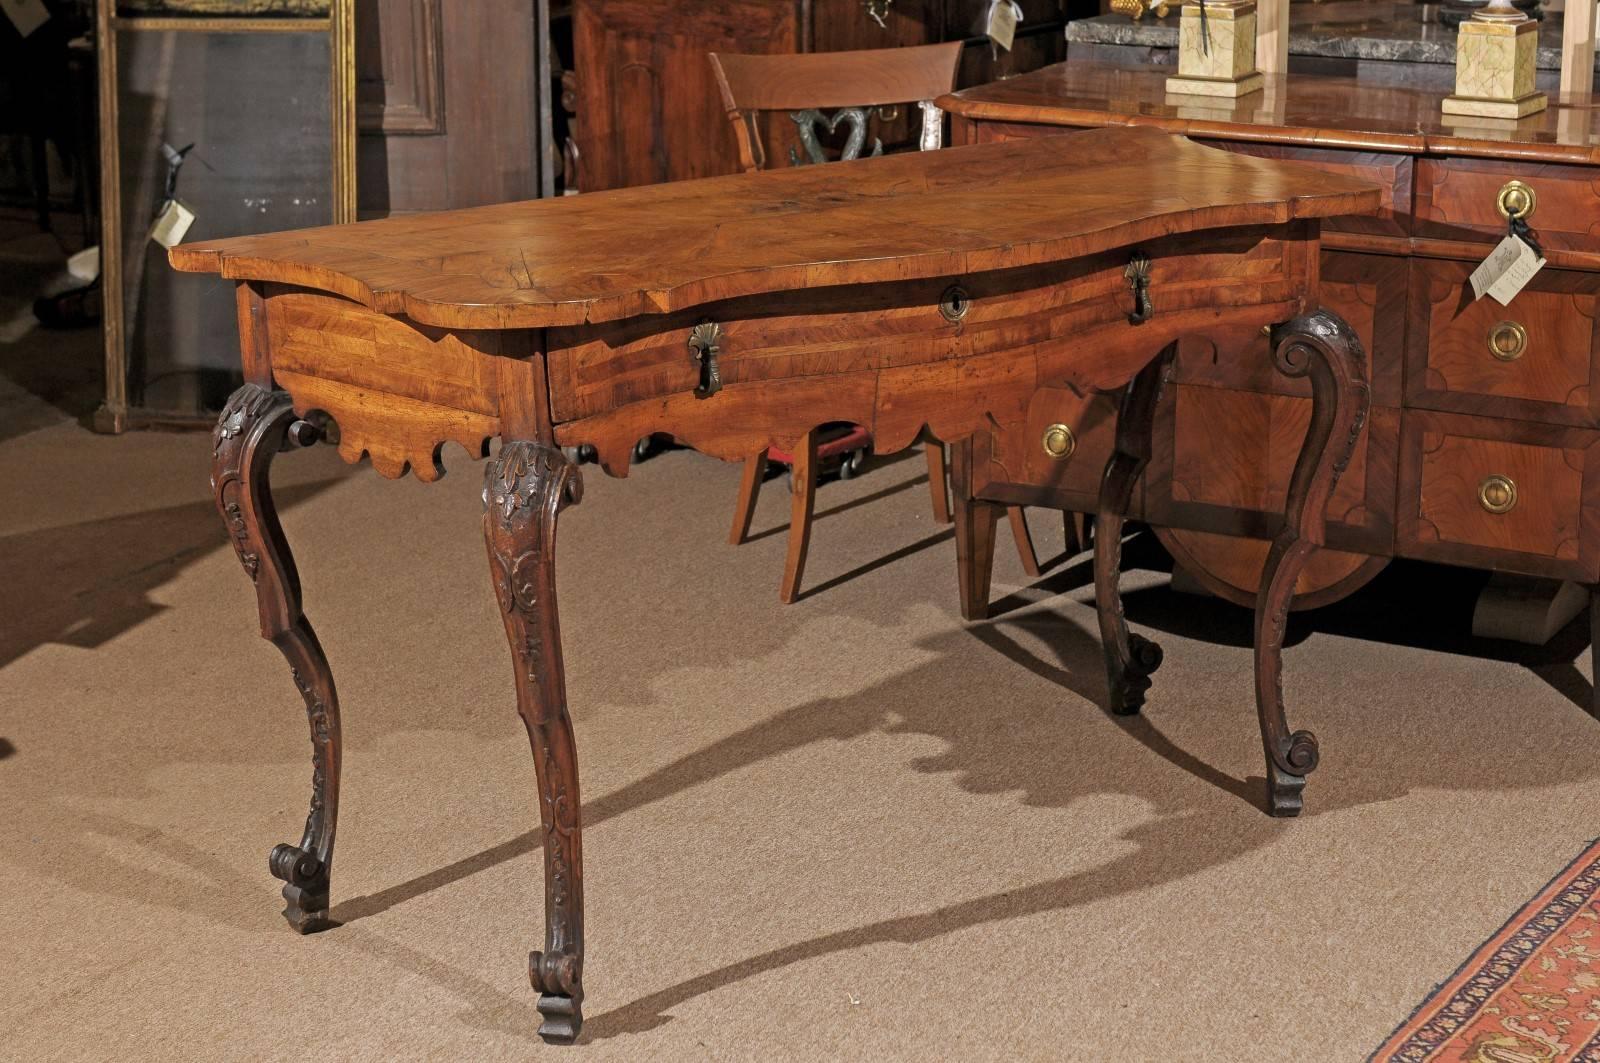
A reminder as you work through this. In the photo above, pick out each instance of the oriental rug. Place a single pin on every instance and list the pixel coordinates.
(1530, 994)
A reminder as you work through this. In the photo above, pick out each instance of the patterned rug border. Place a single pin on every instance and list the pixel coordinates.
(1585, 868)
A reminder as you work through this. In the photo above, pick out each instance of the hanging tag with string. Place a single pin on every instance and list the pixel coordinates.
(1000, 26)
(1511, 265)
(173, 217)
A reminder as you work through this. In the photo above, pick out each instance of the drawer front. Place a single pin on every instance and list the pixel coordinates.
(1038, 315)
(1534, 360)
(1056, 456)
(1459, 199)
(1393, 172)
(1499, 494)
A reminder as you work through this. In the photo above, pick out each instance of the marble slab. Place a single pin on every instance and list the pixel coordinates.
(1379, 30)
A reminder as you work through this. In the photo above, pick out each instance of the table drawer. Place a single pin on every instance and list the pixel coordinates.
(1460, 199)
(1058, 453)
(1499, 494)
(1534, 360)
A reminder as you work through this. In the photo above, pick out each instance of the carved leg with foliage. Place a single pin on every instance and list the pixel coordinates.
(1319, 345)
(1130, 659)
(525, 488)
(254, 426)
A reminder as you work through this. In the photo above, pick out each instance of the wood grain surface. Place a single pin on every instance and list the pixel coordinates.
(659, 249)
(1320, 111)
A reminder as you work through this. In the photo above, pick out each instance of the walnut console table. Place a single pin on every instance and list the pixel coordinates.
(1482, 446)
(939, 290)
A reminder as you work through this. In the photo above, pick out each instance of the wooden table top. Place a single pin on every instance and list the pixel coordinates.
(1305, 109)
(606, 256)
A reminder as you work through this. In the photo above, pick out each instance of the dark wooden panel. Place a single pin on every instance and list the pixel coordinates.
(486, 147)
(647, 105)
(400, 68)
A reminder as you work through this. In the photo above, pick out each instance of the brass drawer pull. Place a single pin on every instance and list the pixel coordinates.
(1498, 494)
(1059, 442)
(1516, 200)
(1507, 341)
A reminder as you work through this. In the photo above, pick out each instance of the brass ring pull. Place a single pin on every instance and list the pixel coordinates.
(1516, 200)
(1498, 494)
(1507, 341)
(1059, 442)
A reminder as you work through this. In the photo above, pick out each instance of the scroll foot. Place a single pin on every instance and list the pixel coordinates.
(255, 425)
(1128, 689)
(1283, 792)
(1320, 346)
(560, 996)
(1130, 659)
(525, 488)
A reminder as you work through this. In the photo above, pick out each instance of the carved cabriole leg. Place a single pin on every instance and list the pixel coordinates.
(1319, 345)
(1130, 659)
(525, 488)
(254, 426)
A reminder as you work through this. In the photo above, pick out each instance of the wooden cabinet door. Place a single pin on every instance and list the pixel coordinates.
(450, 104)
(648, 108)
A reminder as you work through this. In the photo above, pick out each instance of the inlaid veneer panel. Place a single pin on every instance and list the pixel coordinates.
(1446, 460)
(1368, 291)
(1235, 481)
(1456, 200)
(1535, 359)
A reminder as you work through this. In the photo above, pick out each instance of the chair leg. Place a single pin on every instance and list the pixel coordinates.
(975, 522)
(1074, 532)
(1594, 648)
(801, 506)
(1019, 532)
(937, 482)
(755, 469)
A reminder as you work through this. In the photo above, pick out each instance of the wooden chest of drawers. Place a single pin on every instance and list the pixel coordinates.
(1482, 445)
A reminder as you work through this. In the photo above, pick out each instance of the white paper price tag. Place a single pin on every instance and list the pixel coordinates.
(1507, 270)
(1001, 25)
(171, 224)
(26, 15)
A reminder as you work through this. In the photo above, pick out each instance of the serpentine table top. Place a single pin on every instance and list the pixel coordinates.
(934, 290)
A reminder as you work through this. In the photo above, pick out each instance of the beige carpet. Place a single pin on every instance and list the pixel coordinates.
(850, 828)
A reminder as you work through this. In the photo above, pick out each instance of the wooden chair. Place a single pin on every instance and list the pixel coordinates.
(803, 85)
